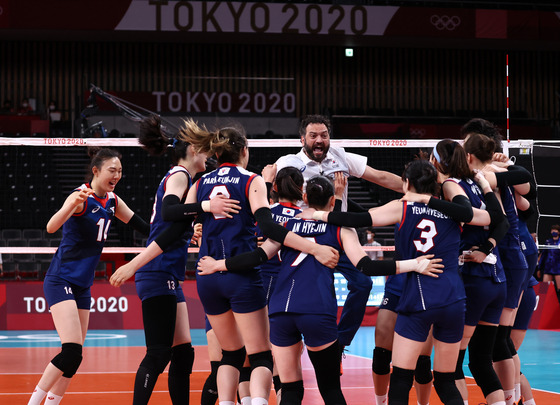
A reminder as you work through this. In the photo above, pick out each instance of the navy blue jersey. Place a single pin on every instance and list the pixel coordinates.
(528, 245)
(83, 238)
(224, 237)
(510, 245)
(474, 235)
(508, 201)
(281, 213)
(174, 259)
(423, 231)
(304, 285)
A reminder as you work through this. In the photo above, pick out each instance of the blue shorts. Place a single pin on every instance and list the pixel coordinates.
(390, 301)
(224, 291)
(57, 289)
(485, 300)
(526, 309)
(159, 283)
(448, 323)
(286, 329)
(207, 326)
(515, 279)
(531, 266)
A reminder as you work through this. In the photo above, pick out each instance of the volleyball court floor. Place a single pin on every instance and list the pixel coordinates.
(111, 358)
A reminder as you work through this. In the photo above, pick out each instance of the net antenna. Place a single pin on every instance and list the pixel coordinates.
(128, 109)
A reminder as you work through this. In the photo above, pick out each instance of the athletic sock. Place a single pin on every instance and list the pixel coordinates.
(517, 391)
(245, 401)
(381, 399)
(509, 394)
(466, 401)
(529, 402)
(37, 396)
(227, 403)
(259, 401)
(499, 403)
(53, 399)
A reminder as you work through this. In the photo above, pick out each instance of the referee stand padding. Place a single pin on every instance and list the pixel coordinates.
(547, 311)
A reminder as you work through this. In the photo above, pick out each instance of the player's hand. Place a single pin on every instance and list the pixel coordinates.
(326, 255)
(429, 266)
(269, 173)
(415, 197)
(81, 196)
(481, 180)
(208, 265)
(260, 240)
(197, 234)
(340, 181)
(475, 256)
(221, 205)
(122, 274)
(306, 213)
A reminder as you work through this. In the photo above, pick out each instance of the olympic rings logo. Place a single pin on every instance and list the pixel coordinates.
(445, 22)
(418, 132)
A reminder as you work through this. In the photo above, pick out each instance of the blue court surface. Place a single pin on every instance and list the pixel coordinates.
(539, 354)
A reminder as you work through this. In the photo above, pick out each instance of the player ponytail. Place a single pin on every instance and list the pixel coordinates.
(451, 159)
(481, 146)
(156, 142)
(289, 184)
(227, 143)
(422, 175)
(319, 190)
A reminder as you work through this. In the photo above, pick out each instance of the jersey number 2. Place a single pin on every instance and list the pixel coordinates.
(219, 190)
(429, 232)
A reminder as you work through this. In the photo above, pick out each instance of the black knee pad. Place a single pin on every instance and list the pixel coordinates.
(444, 384)
(277, 383)
(156, 359)
(245, 374)
(234, 358)
(381, 364)
(400, 385)
(480, 359)
(511, 347)
(182, 358)
(459, 375)
(501, 347)
(292, 392)
(423, 372)
(261, 359)
(69, 359)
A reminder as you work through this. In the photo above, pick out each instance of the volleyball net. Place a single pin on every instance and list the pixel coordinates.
(38, 174)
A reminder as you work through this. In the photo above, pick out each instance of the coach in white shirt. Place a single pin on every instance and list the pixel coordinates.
(318, 157)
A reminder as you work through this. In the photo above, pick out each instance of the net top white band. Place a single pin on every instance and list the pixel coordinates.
(294, 142)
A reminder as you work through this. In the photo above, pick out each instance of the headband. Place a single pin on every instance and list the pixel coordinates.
(436, 154)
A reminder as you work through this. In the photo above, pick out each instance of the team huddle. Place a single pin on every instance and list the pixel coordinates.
(269, 247)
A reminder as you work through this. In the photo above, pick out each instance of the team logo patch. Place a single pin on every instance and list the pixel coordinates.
(95, 209)
(303, 168)
(223, 171)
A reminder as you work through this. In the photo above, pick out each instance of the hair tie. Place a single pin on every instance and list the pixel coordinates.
(174, 142)
(436, 154)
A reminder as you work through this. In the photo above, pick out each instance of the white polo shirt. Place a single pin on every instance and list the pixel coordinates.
(337, 160)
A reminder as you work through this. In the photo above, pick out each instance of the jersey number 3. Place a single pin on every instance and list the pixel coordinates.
(428, 234)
